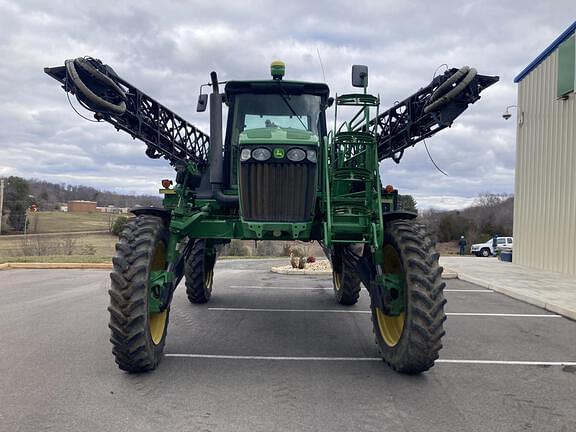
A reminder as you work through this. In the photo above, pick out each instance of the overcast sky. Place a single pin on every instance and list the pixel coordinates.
(168, 48)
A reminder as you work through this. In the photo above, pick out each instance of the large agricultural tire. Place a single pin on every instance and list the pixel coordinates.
(410, 342)
(137, 335)
(345, 281)
(199, 272)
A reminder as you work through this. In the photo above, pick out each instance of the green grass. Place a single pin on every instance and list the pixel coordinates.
(59, 248)
(83, 248)
(57, 259)
(54, 221)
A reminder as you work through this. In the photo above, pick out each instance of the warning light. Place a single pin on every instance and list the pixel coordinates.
(166, 183)
(389, 189)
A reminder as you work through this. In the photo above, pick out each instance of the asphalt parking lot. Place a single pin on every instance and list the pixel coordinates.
(275, 353)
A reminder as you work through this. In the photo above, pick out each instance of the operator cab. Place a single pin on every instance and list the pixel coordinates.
(272, 142)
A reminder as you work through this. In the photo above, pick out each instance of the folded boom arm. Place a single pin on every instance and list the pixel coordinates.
(99, 89)
(428, 111)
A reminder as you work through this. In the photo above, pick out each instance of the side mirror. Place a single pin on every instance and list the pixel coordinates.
(202, 103)
(359, 76)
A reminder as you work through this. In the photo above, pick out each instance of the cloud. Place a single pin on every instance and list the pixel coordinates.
(168, 49)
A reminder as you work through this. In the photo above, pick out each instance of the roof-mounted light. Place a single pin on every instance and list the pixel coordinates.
(277, 69)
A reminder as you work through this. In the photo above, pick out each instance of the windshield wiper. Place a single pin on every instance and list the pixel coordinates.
(284, 96)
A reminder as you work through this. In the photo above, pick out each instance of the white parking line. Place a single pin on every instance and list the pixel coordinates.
(469, 290)
(504, 315)
(340, 359)
(346, 311)
(330, 288)
(287, 310)
(279, 358)
(280, 287)
(508, 362)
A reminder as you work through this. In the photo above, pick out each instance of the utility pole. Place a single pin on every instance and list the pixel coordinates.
(1, 201)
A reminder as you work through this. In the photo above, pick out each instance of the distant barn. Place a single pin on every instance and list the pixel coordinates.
(79, 206)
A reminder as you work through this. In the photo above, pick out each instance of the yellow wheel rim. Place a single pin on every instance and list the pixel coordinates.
(390, 326)
(337, 280)
(157, 321)
(209, 276)
(157, 324)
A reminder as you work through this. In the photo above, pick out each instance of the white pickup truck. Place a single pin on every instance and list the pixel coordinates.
(486, 249)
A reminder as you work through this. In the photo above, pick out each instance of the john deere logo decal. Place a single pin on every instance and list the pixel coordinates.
(278, 153)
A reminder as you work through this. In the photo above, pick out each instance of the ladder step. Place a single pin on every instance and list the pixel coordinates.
(343, 201)
(354, 138)
(361, 172)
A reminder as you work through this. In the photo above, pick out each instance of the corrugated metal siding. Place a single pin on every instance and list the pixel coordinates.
(545, 190)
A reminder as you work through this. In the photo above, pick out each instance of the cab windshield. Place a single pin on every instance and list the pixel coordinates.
(279, 111)
(255, 111)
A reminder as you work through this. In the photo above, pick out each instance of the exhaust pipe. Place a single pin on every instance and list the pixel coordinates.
(216, 146)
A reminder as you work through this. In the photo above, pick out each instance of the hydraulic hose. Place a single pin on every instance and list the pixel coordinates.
(445, 92)
(98, 101)
(88, 67)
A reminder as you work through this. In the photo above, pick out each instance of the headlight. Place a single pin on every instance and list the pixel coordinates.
(296, 155)
(311, 155)
(261, 154)
(245, 155)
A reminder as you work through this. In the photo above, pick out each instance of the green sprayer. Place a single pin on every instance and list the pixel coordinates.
(277, 173)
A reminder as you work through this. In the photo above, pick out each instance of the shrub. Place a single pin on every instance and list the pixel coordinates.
(118, 225)
(294, 261)
(310, 259)
(297, 252)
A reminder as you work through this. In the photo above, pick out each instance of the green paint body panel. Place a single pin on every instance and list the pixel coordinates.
(158, 282)
(270, 136)
(348, 192)
(348, 198)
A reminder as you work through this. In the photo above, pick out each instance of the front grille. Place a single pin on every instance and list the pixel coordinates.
(277, 192)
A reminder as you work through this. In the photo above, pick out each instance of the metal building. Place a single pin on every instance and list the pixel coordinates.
(545, 189)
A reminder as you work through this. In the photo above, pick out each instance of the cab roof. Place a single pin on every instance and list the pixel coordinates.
(274, 86)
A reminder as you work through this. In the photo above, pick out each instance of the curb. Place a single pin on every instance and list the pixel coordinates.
(535, 301)
(54, 266)
(449, 274)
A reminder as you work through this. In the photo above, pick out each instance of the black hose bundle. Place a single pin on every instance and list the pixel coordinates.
(91, 81)
(451, 88)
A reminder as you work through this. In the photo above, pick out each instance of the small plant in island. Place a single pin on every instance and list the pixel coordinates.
(296, 257)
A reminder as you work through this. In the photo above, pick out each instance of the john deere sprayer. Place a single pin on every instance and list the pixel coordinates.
(277, 173)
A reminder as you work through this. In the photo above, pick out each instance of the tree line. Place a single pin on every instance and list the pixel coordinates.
(489, 214)
(20, 194)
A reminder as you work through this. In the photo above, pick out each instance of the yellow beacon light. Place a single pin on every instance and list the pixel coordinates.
(277, 69)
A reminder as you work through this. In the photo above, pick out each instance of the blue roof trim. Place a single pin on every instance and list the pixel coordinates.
(567, 33)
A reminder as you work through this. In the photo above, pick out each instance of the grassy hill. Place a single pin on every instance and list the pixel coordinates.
(52, 238)
(57, 248)
(55, 221)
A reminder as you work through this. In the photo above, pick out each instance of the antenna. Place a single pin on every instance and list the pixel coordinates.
(321, 65)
